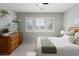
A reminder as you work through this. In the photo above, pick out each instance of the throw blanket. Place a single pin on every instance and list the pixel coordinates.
(48, 47)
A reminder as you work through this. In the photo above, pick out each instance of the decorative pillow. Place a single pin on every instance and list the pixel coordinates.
(74, 39)
(70, 33)
(77, 34)
(77, 42)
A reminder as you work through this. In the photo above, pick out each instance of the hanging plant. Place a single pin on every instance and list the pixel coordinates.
(3, 13)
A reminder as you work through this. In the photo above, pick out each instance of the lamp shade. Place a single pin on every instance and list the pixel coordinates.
(62, 32)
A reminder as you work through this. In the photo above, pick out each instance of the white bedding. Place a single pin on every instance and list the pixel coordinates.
(63, 45)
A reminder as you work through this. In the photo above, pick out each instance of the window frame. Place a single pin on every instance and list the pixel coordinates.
(39, 30)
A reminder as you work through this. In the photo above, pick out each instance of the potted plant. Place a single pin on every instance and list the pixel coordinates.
(5, 32)
(0, 33)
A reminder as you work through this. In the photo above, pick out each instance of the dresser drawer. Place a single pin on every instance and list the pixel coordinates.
(14, 47)
(14, 42)
(9, 43)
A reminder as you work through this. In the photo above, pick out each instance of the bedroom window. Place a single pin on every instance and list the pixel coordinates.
(39, 24)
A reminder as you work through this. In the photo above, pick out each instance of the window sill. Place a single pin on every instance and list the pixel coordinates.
(39, 30)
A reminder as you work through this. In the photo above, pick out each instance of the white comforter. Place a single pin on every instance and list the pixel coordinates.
(63, 45)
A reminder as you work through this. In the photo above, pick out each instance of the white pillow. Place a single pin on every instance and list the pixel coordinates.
(77, 34)
(74, 39)
(66, 36)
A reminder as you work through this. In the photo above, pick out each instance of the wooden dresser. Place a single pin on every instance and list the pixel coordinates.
(9, 43)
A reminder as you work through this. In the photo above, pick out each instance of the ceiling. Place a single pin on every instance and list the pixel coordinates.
(33, 7)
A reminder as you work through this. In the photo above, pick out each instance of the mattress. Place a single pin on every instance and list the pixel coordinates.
(63, 45)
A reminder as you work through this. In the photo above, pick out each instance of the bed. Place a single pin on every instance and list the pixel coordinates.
(62, 46)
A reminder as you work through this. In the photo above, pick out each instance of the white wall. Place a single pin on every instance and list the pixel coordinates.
(32, 36)
(70, 16)
(7, 19)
